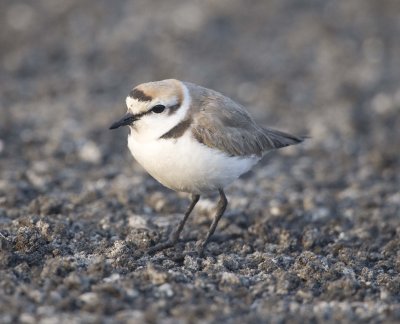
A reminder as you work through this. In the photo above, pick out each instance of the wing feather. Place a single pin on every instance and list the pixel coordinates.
(221, 123)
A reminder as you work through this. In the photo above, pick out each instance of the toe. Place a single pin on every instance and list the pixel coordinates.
(200, 246)
(160, 247)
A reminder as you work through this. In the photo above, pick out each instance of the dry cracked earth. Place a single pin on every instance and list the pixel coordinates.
(310, 235)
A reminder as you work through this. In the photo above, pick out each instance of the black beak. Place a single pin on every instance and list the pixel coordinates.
(128, 119)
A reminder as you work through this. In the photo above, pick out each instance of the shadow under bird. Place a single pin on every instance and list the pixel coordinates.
(195, 140)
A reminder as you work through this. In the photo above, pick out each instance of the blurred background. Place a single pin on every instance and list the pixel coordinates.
(330, 69)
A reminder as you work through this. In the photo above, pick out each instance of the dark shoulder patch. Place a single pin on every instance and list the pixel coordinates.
(178, 130)
(139, 95)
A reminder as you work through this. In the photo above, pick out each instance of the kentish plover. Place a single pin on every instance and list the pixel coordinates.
(196, 140)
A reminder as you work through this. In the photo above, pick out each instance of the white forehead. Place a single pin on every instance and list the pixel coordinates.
(136, 106)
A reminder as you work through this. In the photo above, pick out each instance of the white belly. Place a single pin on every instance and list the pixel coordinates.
(183, 164)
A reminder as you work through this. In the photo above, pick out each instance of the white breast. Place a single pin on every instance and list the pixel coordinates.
(184, 164)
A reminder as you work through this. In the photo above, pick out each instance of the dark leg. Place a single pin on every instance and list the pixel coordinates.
(222, 203)
(175, 235)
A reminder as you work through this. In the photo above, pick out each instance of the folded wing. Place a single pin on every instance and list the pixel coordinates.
(222, 124)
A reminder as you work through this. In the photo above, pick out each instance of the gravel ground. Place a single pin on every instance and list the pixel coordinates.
(311, 235)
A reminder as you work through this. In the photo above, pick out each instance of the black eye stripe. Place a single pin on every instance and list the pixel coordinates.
(156, 109)
(137, 116)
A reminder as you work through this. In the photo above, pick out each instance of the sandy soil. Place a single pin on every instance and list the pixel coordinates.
(311, 235)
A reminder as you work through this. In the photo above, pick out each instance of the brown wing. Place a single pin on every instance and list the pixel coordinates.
(222, 124)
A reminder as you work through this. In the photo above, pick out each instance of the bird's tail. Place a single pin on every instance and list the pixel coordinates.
(280, 139)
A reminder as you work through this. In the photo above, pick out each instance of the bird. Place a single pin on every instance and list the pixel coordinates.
(195, 140)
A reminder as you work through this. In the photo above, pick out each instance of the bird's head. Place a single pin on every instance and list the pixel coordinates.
(153, 108)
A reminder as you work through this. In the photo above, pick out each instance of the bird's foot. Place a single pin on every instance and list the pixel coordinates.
(159, 247)
(200, 247)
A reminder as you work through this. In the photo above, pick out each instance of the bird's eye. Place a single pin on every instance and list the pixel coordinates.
(158, 109)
